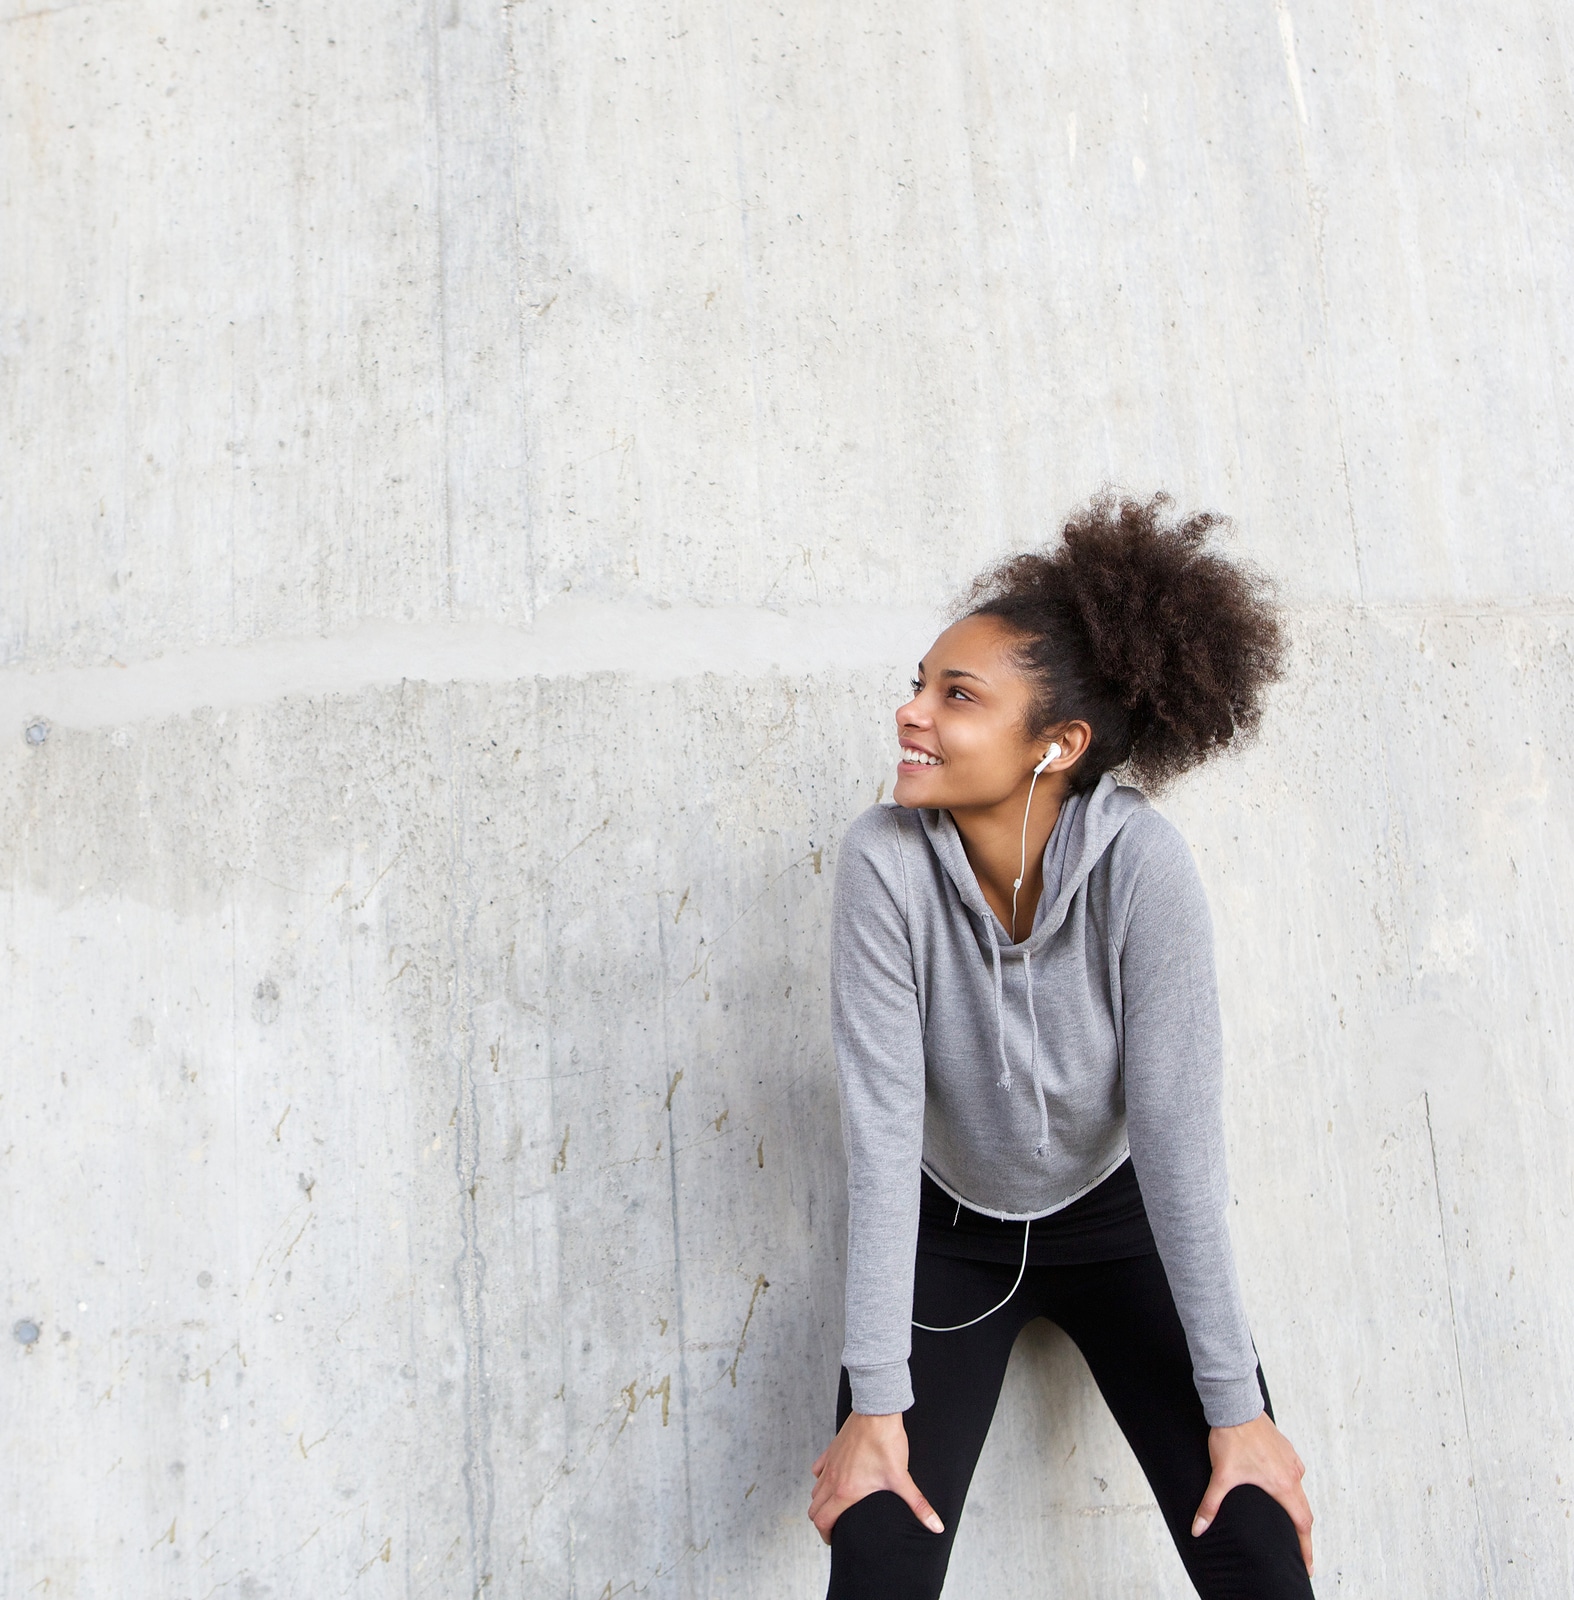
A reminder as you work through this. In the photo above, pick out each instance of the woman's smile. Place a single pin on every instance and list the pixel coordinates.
(914, 756)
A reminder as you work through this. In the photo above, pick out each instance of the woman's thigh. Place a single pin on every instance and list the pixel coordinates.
(1122, 1317)
(879, 1549)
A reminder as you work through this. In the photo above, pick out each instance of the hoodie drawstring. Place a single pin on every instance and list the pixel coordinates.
(1038, 1086)
(1004, 1080)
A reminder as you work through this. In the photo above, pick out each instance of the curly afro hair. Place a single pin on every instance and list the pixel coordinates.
(1134, 626)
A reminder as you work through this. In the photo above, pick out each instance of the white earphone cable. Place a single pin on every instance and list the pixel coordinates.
(1049, 755)
(1022, 864)
(958, 1327)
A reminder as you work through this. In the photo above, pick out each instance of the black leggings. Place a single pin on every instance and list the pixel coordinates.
(1121, 1316)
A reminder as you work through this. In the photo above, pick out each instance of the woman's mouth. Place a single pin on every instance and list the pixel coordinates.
(918, 758)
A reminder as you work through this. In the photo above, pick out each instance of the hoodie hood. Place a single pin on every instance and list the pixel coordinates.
(1082, 833)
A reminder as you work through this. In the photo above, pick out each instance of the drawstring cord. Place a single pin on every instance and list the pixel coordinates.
(996, 962)
(1004, 1080)
(1038, 1086)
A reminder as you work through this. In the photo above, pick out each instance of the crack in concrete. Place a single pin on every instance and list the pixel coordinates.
(1459, 1365)
(470, 1265)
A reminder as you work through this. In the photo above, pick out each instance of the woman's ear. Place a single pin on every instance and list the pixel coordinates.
(1073, 740)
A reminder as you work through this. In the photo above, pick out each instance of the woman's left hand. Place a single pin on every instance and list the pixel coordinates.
(1256, 1452)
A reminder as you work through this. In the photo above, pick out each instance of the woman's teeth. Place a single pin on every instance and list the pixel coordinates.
(917, 758)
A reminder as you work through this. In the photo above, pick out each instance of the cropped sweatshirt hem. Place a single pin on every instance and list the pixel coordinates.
(1032, 1216)
(1018, 1074)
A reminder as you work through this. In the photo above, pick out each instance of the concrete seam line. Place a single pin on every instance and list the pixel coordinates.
(570, 639)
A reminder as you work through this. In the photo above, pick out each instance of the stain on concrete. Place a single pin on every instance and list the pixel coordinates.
(265, 1002)
(760, 1286)
(633, 1398)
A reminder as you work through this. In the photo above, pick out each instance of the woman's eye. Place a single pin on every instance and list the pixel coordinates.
(915, 685)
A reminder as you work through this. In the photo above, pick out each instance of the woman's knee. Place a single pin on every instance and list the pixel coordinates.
(1250, 1552)
(881, 1551)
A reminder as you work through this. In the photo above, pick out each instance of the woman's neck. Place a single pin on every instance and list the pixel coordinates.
(992, 840)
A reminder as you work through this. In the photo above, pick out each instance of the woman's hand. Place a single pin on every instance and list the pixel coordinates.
(868, 1454)
(1256, 1452)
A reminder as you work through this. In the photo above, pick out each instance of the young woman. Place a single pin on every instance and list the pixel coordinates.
(1028, 1043)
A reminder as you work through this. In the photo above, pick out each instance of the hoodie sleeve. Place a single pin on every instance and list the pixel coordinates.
(879, 1045)
(1174, 1080)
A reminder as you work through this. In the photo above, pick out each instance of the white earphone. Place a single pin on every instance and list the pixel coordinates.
(1050, 754)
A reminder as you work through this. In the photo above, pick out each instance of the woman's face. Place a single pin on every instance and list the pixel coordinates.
(963, 734)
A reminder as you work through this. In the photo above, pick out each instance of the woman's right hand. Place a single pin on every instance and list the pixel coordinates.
(867, 1455)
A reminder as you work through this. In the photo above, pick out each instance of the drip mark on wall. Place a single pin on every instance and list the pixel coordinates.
(632, 1399)
(384, 1555)
(760, 1286)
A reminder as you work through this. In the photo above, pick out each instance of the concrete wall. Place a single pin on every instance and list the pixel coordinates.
(477, 476)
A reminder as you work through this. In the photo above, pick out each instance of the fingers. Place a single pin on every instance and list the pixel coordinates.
(1291, 1496)
(823, 1511)
(826, 1505)
(817, 1501)
(1218, 1487)
(819, 1465)
(825, 1508)
(1296, 1504)
(919, 1506)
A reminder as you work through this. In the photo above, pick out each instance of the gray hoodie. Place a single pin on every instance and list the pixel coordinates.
(1018, 1076)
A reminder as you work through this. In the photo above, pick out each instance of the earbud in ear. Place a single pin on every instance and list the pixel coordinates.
(1050, 754)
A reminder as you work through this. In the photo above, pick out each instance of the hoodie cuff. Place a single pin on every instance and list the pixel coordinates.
(1229, 1402)
(878, 1391)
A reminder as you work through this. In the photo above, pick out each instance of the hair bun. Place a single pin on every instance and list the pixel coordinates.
(1133, 623)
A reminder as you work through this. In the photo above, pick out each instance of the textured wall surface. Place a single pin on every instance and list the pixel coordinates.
(476, 479)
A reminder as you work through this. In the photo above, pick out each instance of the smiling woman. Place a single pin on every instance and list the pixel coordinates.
(1063, 1088)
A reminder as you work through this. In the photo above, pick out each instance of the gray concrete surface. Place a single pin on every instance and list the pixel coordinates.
(476, 479)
